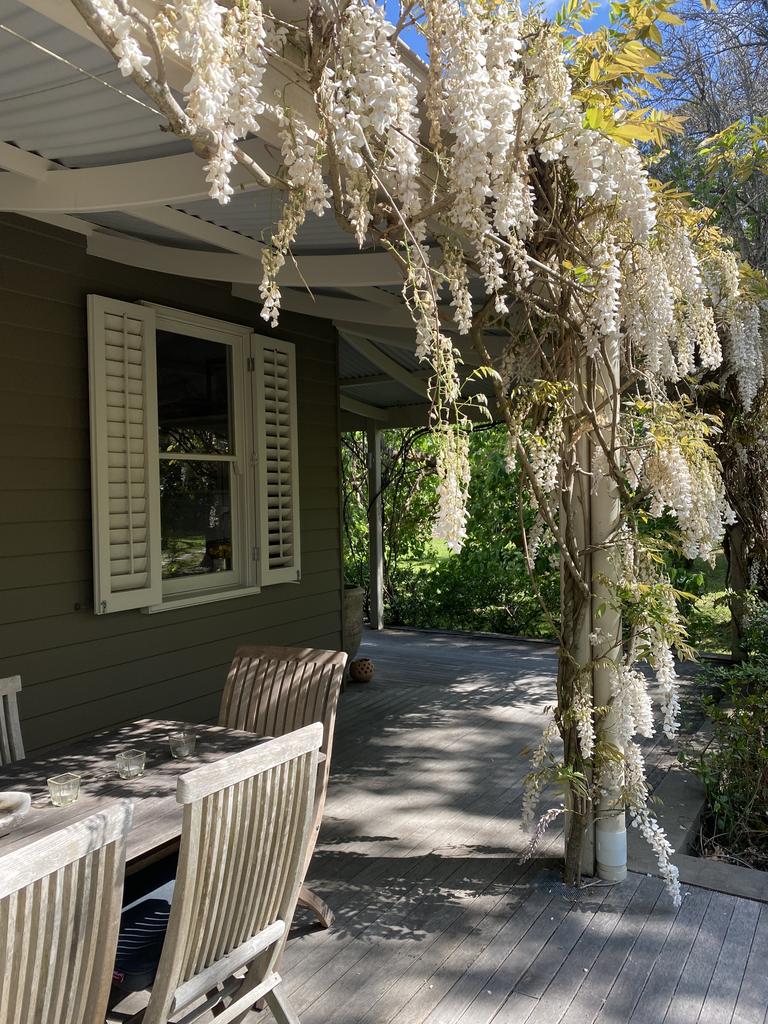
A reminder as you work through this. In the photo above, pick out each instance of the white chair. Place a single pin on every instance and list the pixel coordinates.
(273, 690)
(247, 823)
(59, 915)
(11, 743)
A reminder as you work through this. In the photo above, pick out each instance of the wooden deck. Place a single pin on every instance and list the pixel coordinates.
(437, 922)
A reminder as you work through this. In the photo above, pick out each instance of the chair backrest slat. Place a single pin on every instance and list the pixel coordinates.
(11, 743)
(247, 821)
(59, 918)
(272, 691)
(275, 690)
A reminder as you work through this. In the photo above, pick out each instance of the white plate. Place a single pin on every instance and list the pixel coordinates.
(13, 807)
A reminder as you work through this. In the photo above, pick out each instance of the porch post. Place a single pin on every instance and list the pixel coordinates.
(605, 519)
(375, 527)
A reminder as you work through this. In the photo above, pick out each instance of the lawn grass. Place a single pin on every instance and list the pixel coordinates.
(709, 622)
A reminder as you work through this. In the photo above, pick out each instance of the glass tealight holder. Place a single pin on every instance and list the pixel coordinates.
(182, 743)
(130, 764)
(64, 789)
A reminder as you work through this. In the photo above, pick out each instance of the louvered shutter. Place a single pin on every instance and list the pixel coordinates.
(280, 560)
(125, 483)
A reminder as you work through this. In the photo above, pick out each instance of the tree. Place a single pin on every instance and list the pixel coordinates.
(588, 292)
(483, 587)
(408, 497)
(718, 66)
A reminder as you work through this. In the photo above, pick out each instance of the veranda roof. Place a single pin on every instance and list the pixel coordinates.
(82, 148)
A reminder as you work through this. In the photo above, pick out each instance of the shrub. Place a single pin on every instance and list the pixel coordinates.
(734, 769)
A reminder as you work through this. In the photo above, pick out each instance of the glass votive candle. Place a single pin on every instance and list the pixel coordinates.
(182, 743)
(64, 789)
(130, 763)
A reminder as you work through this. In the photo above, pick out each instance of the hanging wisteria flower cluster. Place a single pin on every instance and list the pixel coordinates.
(502, 181)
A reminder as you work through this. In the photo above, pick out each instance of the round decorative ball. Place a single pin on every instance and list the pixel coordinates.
(361, 670)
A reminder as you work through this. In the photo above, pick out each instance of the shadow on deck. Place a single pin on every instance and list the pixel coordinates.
(437, 922)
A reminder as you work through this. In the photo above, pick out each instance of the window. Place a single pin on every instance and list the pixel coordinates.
(194, 472)
(204, 436)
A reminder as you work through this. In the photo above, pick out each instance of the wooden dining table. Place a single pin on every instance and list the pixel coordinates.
(157, 817)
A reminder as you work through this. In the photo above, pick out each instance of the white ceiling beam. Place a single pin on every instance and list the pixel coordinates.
(167, 259)
(360, 269)
(315, 271)
(364, 270)
(371, 412)
(372, 380)
(166, 179)
(400, 338)
(387, 365)
(19, 161)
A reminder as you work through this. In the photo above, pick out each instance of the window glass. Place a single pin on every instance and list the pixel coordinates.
(196, 516)
(194, 395)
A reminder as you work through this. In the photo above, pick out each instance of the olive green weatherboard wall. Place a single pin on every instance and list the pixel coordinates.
(81, 671)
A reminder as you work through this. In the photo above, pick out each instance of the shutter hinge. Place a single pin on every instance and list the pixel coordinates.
(298, 575)
(255, 554)
(250, 364)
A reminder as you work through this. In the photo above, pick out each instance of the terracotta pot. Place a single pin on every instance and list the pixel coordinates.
(361, 670)
(353, 619)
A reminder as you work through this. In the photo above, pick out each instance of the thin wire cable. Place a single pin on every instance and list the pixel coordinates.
(76, 67)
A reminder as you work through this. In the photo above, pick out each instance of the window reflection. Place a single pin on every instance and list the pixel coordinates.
(196, 517)
(194, 395)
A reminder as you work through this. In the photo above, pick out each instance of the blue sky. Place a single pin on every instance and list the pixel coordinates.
(415, 41)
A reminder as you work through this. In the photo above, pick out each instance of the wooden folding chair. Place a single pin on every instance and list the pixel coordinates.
(11, 743)
(59, 917)
(273, 690)
(247, 823)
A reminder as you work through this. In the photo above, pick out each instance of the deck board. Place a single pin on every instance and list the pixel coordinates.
(437, 920)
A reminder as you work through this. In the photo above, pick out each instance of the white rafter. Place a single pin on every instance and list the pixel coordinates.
(396, 337)
(350, 311)
(377, 295)
(386, 364)
(372, 380)
(200, 230)
(19, 161)
(371, 412)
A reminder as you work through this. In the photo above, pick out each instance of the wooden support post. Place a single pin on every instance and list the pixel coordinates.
(375, 527)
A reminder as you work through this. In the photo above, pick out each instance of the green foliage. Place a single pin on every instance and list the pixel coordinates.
(485, 587)
(734, 769)
(409, 498)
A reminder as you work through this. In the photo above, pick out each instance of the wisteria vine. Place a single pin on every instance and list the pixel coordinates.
(590, 294)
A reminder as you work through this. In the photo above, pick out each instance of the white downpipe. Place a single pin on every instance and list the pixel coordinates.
(605, 517)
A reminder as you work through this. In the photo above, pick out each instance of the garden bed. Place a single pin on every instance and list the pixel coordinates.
(681, 801)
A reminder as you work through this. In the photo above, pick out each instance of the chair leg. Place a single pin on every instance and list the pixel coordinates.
(280, 1007)
(319, 907)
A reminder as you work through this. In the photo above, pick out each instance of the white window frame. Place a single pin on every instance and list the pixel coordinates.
(242, 578)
